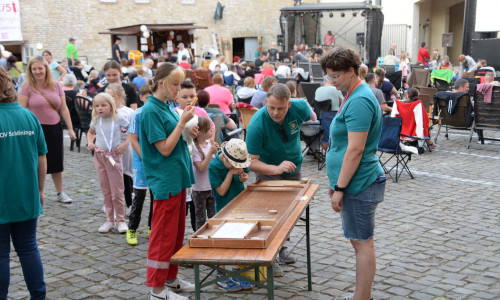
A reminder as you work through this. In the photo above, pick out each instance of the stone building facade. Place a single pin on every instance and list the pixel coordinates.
(52, 22)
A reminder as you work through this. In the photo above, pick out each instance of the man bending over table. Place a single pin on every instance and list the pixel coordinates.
(273, 142)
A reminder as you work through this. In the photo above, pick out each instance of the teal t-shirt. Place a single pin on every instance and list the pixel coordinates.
(265, 139)
(361, 112)
(21, 143)
(166, 176)
(217, 172)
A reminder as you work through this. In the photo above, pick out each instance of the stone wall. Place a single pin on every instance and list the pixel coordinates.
(53, 22)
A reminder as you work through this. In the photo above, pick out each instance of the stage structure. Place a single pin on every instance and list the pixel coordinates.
(357, 25)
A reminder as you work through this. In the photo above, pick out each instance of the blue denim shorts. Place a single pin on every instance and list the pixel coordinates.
(358, 211)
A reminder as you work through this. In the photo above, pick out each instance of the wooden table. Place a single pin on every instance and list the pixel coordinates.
(213, 257)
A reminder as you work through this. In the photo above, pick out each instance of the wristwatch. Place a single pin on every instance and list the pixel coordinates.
(339, 189)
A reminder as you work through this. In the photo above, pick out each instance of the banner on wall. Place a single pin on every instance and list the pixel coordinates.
(10, 21)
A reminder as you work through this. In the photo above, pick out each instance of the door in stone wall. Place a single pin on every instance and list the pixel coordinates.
(251, 44)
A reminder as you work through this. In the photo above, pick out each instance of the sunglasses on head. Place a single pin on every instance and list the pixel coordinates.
(283, 133)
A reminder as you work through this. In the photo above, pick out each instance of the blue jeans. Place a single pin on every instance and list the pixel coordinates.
(24, 240)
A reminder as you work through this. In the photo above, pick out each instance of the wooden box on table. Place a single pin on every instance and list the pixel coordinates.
(253, 218)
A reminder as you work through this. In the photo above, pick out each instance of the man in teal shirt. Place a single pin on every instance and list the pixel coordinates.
(273, 142)
(71, 53)
(273, 136)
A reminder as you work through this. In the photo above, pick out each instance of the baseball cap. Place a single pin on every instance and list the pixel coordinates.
(72, 39)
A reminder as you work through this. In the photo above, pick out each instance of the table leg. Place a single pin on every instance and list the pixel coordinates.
(308, 245)
(197, 284)
(270, 282)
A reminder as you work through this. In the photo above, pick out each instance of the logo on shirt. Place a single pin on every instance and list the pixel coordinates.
(294, 128)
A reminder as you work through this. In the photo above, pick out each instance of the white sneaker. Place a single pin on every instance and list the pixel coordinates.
(166, 294)
(106, 227)
(122, 227)
(180, 285)
(64, 198)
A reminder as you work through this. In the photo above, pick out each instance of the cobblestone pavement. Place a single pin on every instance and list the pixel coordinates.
(437, 236)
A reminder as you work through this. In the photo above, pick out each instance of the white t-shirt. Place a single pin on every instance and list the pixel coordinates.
(283, 70)
(202, 181)
(120, 124)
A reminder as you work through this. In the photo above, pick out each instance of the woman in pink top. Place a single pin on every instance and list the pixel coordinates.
(220, 95)
(46, 99)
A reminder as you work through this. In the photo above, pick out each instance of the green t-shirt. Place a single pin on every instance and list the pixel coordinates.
(361, 112)
(21, 143)
(71, 49)
(166, 175)
(265, 139)
(217, 173)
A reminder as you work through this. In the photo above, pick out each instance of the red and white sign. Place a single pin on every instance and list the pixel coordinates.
(10, 21)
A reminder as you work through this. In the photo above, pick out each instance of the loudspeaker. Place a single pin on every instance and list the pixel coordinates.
(280, 40)
(447, 39)
(360, 38)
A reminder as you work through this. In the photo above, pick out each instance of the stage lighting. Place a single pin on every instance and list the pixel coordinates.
(342, 14)
(331, 15)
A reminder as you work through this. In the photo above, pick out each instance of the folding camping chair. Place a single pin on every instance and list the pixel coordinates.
(460, 118)
(415, 126)
(246, 113)
(221, 133)
(390, 143)
(203, 78)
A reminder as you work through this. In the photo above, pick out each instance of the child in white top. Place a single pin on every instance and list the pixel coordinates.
(118, 93)
(203, 152)
(106, 127)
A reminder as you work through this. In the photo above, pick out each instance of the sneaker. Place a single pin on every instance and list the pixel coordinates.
(122, 227)
(285, 257)
(277, 271)
(242, 284)
(180, 285)
(64, 198)
(228, 285)
(348, 297)
(131, 237)
(166, 294)
(106, 227)
(128, 211)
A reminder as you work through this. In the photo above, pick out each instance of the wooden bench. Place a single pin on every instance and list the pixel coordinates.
(253, 258)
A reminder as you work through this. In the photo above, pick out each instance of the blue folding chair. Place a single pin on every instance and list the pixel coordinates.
(389, 143)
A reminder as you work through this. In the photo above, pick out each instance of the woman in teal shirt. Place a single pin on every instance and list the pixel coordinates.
(168, 169)
(357, 181)
(22, 181)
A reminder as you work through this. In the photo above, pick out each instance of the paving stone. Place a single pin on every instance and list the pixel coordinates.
(436, 236)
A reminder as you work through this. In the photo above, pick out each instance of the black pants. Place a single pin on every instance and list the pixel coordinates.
(127, 191)
(191, 209)
(136, 211)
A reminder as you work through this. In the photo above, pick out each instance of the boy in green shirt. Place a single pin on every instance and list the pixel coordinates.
(227, 172)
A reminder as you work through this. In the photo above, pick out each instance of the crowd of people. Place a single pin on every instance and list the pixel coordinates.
(152, 129)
